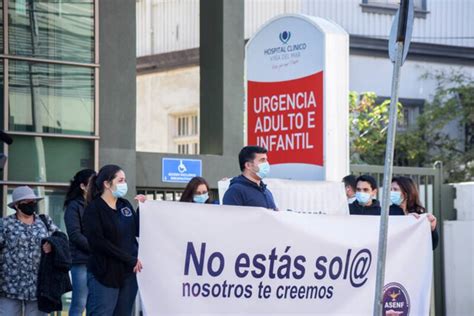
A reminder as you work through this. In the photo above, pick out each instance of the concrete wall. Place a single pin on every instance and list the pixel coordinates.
(117, 84)
(375, 74)
(464, 202)
(160, 98)
(459, 253)
(459, 267)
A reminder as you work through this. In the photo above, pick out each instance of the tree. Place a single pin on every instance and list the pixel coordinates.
(447, 124)
(368, 128)
(435, 136)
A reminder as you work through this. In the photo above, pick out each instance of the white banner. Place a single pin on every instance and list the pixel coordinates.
(220, 260)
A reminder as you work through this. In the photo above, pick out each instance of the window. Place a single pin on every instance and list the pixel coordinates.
(51, 98)
(194, 125)
(188, 149)
(188, 125)
(51, 95)
(48, 159)
(51, 29)
(465, 102)
(183, 149)
(469, 142)
(411, 111)
(187, 134)
(183, 123)
(402, 124)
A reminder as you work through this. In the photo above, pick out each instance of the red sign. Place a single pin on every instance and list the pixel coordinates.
(286, 117)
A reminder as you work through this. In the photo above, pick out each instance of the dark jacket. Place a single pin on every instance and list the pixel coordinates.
(434, 233)
(73, 218)
(109, 262)
(53, 276)
(357, 209)
(244, 192)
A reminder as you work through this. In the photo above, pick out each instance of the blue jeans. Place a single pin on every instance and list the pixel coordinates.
(79, 289)
(108, 301)
(10, 307)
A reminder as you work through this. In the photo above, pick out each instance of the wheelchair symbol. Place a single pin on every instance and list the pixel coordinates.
(182, 167)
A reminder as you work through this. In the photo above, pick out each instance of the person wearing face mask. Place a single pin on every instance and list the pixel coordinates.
(111, 226)
(196, 191)
(405, 200)
(366, 202)
(248, 189)
(350, 187)
(73, 218)
(21, 235)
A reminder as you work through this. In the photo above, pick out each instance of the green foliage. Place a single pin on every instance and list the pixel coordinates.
(452, 108)
(434, 136)
(368, 128)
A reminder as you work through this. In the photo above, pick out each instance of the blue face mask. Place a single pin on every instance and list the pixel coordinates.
(263, 170)
(121, 190)
(396, 197)
(363, 198)
(201, 198)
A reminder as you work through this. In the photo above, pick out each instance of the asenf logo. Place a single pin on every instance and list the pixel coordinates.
(284, 37)
(396, 301)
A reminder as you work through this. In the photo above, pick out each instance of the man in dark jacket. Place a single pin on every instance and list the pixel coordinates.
(248, 189)
(366, 202)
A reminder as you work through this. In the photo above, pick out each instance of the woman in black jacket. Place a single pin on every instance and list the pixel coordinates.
(406, 200)
(111, 227)
(78, 245)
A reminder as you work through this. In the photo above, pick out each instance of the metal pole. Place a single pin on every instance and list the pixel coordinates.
(387, 179)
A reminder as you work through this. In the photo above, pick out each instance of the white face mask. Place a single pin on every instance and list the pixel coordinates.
(263, 170)
(120, 190)
(396, 197)
(201, 198)
(363, 198)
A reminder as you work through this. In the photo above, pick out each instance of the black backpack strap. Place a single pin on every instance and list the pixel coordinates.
(2, 229)
(45, 221)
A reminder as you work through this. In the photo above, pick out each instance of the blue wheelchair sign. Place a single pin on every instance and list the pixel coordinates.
(178, 170)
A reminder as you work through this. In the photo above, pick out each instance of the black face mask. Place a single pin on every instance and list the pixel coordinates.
(28, 209)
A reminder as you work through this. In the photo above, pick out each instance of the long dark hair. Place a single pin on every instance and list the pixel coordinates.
(409, 189)
(192, 187)
(75, 191)
(96, 184)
